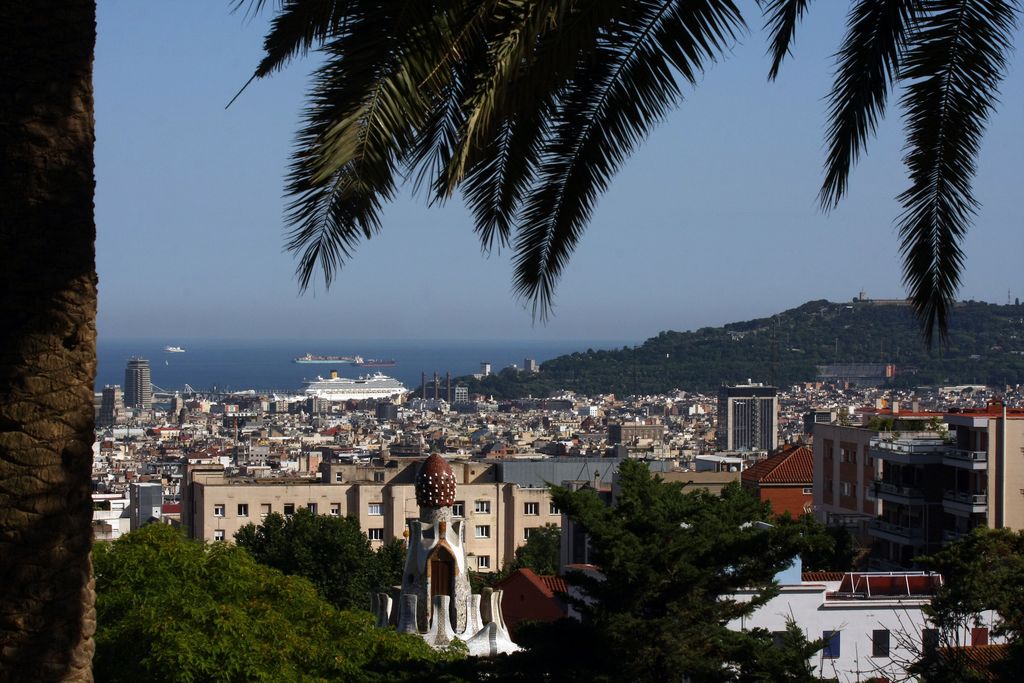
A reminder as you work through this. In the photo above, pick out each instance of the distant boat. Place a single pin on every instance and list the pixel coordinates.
(313, 358)
(377, 363)
(174, 349)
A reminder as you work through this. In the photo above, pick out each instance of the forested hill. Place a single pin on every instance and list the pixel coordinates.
(986, 346)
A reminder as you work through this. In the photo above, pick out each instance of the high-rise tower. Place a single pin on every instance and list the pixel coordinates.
(138, 388)
(748, 418)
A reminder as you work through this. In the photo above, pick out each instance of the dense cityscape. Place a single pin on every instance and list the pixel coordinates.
(900, 472)
(321, 352)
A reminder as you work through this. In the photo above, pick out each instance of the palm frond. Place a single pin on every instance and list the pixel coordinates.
(359, 126)
(953, 65)
(533, 50)
(495, 187)
(780, 20)
(299, 26)
(618, 93)
(868, 63)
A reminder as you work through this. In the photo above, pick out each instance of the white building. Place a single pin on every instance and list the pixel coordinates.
(872, 622)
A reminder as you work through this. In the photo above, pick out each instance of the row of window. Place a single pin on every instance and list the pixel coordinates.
(482, 507)
(881, 641)
(288, 509)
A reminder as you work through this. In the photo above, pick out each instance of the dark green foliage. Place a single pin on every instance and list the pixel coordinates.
(985, 346)
(836, 549)
(172, 609)
(332, 552)
(983, 571)
(390, 563)
(670, 561)
(541, 550)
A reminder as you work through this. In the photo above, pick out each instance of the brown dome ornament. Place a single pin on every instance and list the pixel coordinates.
(435, 484)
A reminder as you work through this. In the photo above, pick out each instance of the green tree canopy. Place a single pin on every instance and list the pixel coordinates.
(332, 552)
(171, 609)
(541, 550)
(670, 562)
(982, 571)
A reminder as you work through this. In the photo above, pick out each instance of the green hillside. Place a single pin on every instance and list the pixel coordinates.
(986, 346)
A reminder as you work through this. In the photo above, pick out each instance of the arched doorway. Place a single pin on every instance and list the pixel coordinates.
(442, 573)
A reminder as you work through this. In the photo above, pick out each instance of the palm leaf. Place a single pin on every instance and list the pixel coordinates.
(781, 18)
(298, 26)
(359, 129)
(617, 95)
(868, 62)
(953, 66)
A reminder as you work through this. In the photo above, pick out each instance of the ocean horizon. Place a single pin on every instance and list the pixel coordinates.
(267, 364)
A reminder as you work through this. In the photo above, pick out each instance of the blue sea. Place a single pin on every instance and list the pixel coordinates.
(237, 365)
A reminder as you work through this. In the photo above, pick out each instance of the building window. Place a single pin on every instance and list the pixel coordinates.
(375, 509)
(526, 533)
(553, 509)
(335, 509)
(831, 650)
(289, 509)
(312, 507)
(531, 508)
(243, 509)
(375, 534)
(459, 508)
(337, 477)
(482, 507)
(808, 490)
(218, 510)
(483, 562)
(378, 476)
(929, 639)
(880, 643)
(845, 488)
(483, 531)
(218, 534)
(264, 510)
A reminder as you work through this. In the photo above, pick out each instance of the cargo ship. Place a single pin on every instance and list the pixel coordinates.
(376, 363)
(313, 358)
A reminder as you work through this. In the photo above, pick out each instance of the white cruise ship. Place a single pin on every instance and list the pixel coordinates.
(336, 388)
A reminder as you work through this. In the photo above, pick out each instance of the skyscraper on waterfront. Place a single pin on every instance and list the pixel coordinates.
(748, 417)
(138, 389)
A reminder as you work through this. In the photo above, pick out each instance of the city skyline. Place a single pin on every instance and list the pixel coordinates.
(189, 207)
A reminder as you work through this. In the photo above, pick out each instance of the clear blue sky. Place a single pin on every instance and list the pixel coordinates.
(713, 220)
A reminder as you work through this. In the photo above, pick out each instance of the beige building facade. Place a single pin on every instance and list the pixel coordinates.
(499, 516)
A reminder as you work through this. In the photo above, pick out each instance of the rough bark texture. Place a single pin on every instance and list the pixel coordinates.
(47, 339)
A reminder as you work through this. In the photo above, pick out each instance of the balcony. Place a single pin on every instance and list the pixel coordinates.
(921, 451)
(896, 532)
(971, 460)
(964, 502)
(897, 493)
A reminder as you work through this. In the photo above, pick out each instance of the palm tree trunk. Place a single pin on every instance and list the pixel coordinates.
(47, 339)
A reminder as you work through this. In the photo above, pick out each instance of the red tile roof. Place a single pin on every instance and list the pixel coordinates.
(555, 584)
(795, 466)
(820, 577)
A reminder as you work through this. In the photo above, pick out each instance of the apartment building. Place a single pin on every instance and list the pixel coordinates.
(873, 623)
(501, 503)
(909, 490)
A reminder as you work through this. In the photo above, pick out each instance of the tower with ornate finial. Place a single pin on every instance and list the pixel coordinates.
(436, 601)
(435, 564)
